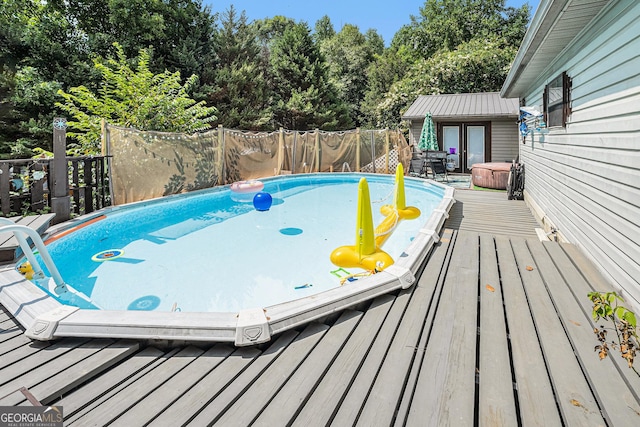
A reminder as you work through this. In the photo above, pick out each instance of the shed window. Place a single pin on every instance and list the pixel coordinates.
(557, 101)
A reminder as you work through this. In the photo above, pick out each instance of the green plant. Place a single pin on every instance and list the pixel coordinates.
(605, 306)
(133, 96)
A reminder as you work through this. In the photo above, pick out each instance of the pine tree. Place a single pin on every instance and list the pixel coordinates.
(303, 96)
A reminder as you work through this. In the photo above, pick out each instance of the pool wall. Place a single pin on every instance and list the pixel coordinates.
(44, 318)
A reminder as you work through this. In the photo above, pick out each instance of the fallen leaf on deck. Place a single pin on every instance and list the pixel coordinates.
(529, 268)
(576, 323)
(575, 402)
(490, 288)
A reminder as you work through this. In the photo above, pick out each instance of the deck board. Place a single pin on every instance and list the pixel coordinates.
(60, 374)
(162, 397)
(84, 396)
(229, 394)
(206, 389)
(105, 396)
(619, 404)
(447, 351)
(244, 411)
(359, 389)
(26, 372)
(496, 403)
(385, 395)
(577, 404)
(120, 403)
(536, 401)
(287, 402)
(336, 381)
(82, 366)
(9, 245)
(444, 395)
(432, 278)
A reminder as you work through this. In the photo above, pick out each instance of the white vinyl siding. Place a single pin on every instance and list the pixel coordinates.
(586, 178)
(504, 140)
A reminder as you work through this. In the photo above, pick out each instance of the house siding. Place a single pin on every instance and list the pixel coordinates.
(585, 178)
(504, 140)
(414, 131)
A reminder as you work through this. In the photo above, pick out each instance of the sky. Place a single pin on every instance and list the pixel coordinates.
(385, 16)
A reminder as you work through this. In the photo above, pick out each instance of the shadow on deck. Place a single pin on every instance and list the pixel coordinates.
(497, 331)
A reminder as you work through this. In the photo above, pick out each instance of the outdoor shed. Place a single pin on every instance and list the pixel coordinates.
(579, 68)
(480, 127)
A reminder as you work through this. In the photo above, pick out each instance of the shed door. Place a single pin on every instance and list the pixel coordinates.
(451, 140)
(475, 145)
(472, 143)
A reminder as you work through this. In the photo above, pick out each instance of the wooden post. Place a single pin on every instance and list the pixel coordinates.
(317, 150)
(37, 189)
(280, 151)
(221, 152)
(60, 200)
(386, 150)
(357, 149)
(5, 187)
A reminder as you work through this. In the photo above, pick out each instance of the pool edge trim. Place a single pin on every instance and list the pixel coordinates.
(44, 318)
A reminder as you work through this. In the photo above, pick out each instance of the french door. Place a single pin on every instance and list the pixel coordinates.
(466, 143)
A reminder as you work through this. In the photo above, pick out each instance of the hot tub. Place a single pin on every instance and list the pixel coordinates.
(491, 175)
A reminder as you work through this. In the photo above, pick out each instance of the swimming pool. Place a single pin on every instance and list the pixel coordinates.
(204, 265)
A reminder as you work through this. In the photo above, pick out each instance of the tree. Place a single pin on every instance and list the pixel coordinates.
(239, 90)
(323, 29)
(303, 96)
(348, 55)
(133, 97)
(383, 72)
(480, 65)
(374, 42)
(445, 24)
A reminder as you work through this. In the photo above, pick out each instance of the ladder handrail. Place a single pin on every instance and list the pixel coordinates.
(18, 231)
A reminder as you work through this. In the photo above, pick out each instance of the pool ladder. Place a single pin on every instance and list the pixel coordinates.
(21, 232)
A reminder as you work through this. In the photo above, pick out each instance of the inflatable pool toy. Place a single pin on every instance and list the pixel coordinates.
(107, 255)
(262, 201)
(395, 213)
(366, 253)
(26, 270)
(250, 186)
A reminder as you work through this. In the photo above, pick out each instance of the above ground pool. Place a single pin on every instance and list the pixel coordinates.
(226, 264)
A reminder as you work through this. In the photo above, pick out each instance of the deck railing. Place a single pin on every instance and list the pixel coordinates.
(67, 186)
(26, 185)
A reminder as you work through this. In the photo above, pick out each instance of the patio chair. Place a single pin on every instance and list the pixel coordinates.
(438, 167)
(418, 167)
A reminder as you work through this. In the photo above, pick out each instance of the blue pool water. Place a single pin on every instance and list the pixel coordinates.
(205, 251)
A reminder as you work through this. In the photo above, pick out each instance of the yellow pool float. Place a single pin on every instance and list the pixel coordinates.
(366, 253)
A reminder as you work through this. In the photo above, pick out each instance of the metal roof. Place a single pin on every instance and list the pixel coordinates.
(462, 105)
(553, 28)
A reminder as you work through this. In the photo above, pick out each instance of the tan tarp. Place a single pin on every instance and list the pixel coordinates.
(146, 165)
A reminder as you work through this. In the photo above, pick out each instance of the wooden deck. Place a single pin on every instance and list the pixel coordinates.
(9, 246)
(496, 332)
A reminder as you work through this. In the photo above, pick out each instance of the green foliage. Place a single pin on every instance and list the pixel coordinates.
(479, 65)
(323, 29)
(240, 89)
(262, 75)
(348, 55)
(446, 24)
(133, 97)
(300, 84)
(606, 307)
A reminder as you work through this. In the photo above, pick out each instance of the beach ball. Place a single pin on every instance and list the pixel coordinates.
(262, 201)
